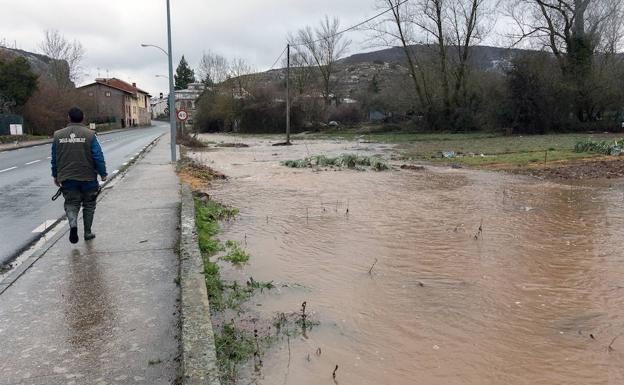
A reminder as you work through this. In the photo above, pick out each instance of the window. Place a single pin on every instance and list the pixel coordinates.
(107, 93)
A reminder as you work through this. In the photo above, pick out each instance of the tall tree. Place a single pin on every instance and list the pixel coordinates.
(213, 68)
(453, 26)
(68, 56)
(323, 46)
(241, 73)
(17, 84)
(184, 75)
(574, 31)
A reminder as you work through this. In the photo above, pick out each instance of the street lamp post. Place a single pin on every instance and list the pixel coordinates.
(172, 114)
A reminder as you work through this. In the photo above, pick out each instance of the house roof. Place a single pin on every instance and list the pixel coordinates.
(118, 85)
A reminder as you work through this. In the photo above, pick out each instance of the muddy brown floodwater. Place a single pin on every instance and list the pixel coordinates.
(538, 298)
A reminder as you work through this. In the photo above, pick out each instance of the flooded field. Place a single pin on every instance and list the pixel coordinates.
(537, 297)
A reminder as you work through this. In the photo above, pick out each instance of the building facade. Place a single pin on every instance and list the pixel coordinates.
(187, 99)
(114, 101)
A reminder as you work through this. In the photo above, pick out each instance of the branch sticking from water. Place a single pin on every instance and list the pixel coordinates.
(370, 271)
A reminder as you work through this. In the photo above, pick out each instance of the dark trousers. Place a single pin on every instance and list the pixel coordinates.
(74, 199)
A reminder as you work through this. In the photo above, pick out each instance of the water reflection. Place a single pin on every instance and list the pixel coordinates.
(88, 309)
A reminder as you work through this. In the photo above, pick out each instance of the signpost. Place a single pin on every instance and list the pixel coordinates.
(182, 116)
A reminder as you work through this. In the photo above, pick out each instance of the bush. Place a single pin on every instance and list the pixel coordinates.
(346, 114)
(46, 111)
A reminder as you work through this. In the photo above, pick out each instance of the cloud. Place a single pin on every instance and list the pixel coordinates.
(112, 31)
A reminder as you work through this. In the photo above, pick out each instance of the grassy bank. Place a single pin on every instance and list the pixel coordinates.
(480, 149)
(20, 138)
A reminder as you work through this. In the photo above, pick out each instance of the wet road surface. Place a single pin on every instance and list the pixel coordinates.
(102, 312)
(26, 185)
(535, 299)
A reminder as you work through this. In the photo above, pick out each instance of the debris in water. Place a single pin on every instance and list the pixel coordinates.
(610, 348)
(480, 231)
(370, 271)
(412, 167)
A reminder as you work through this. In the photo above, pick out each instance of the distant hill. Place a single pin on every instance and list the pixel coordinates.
(482, 57)
(387, 68)
(41, 65)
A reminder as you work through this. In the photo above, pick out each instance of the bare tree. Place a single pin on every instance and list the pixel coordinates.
(303, 71)
(574, 31)
(453, 26)
(213, 68)
(322, 48)
(398, 29)
(241, 73)
(59, 48)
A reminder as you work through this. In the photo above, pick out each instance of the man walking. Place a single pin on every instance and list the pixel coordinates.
(77, 159)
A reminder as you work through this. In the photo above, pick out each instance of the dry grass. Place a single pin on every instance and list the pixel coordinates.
(196, 174)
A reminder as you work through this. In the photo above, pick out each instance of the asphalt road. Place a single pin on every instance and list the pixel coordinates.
(26, 186)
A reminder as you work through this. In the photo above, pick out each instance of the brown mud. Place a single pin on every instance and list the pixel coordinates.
(433, 277)
(607, 168)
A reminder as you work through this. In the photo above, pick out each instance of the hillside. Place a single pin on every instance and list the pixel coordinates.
(40, 64)
(387, 68)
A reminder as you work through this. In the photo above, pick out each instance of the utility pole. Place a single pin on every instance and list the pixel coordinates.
(288, 94)
(172, 111)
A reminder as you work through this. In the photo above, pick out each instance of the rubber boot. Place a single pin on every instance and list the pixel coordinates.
(72, 207)
(88, 212)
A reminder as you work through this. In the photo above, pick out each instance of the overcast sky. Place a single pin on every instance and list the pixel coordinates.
(112, 30)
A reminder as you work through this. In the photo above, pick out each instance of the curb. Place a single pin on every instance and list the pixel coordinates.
(14, 275)
(199, 356)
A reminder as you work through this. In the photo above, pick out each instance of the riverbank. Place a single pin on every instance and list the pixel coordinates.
(544, 156)
(467, 270)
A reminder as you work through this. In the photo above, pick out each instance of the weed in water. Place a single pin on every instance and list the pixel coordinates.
(350, 161)
(234, 347)
(235, 254)
(258, 285)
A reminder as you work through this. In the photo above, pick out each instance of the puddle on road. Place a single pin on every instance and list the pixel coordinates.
(537, 299)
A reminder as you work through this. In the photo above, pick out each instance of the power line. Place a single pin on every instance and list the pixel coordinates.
(278, 59)
(341, 32)
(357, 25)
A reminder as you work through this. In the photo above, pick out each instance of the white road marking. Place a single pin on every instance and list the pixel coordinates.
(49, 157)
(8, 169)
(33, 162)
(44, 226)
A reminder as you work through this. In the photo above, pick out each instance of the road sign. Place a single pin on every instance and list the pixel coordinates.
(182, 115)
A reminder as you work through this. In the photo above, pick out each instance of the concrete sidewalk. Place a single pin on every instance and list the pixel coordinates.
(103, 312)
